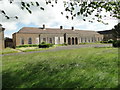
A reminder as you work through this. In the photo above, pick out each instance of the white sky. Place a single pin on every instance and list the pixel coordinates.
(51, 17)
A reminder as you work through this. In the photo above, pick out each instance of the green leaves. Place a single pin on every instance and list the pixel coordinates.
(37, 4)
(88, 8)
(76, 8)
(7, 17)
(42, 8)
(3, 12)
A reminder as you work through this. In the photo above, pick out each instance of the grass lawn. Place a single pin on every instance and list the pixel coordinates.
(9, 50)
(77, 68)
(22, 49)
(29, 49)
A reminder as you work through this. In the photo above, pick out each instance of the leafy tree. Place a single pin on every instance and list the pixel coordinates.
(78, 8)
(116, 31)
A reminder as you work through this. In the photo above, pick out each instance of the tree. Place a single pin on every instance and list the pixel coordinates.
(116, 31)
(78, 8)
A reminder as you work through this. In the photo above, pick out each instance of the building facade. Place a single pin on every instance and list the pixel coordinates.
(1, 37)
(107, 35)
(30, 35)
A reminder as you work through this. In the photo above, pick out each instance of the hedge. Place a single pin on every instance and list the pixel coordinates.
(30, 45)
(116, 43)
(45, 45)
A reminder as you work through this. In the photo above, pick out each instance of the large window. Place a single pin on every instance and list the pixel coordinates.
(85, 40)
(30, 41)
(50, 40)
(98, 39)
(89, 40)
(81, 39)
(22, 41)
(92, 39)
(44, 39)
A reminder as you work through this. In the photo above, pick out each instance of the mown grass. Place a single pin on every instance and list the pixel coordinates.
(29, 49)
(22, 49)
(78, 68)
(9, 50)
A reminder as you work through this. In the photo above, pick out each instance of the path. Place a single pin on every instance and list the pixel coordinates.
(62, 48)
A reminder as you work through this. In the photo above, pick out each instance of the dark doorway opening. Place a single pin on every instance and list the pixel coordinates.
(72, 41)
(76, 40)
(69, 41)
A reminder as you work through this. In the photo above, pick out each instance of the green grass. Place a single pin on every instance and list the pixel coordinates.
(77, 68)
(29, 49)
(22, 49)
(9, 50)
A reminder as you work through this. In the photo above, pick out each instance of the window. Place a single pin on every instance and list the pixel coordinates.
(92, 39)
(89, 40)
(59, 40)
(22, 41)
(85, 40)
(37, 40)
(30, 41)
(81, 40)
(44, 39)
(50, 40)
(98, 39)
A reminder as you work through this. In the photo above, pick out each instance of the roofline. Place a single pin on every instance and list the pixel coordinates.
(55, 28)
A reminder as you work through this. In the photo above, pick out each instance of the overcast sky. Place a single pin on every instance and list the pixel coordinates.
(51, 17)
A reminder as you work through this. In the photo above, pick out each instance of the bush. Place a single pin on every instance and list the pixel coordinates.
(110, 41)
(103, 41)
(45, 45)
(116, 43)
(30, 45)
(65, 44)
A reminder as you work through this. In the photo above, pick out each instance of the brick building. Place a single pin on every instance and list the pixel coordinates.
(1, 37)
(31, 35)
(107, 35)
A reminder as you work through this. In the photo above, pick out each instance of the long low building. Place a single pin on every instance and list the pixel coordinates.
(32, 35)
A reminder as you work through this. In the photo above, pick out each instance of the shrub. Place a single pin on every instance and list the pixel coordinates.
(29, 45)
(45, 45)
(110, 41)
(65, 44)
(116, 43)
(103, 41)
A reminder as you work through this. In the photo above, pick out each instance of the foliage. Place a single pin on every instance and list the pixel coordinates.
(116, 31)
(45, 45)
(77, 8)
(110, 41)
(27, 45)
(88, 8)
(116, 43)
(78, 68)
(9, 50)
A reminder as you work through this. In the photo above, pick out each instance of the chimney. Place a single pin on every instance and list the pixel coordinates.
(61, 27)
(44, 26)
(73, 28)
